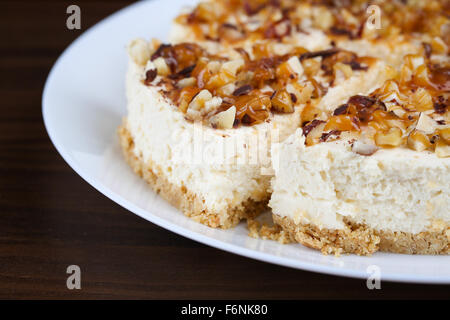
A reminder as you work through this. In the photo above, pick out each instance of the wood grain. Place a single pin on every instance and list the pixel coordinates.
(50, 218)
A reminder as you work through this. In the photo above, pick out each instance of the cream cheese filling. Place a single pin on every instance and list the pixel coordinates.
(394, 189)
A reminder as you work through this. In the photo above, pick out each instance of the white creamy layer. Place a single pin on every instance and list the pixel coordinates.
(394, 189)
(223, 167)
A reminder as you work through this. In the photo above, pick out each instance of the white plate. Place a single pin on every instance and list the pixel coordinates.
(83, 103)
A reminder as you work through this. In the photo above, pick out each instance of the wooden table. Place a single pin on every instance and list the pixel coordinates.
(50, 218)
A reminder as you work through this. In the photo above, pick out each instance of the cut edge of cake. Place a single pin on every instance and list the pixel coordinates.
(180, 196)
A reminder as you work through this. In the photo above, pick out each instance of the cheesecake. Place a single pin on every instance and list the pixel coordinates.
(202, 117)
(342, 128)
(375, 174)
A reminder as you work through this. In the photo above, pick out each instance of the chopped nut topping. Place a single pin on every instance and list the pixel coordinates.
(445, 134)
(282, 101)
(272, 74)
(187, 82)
(323, 54)
(407, 111)
(150, 75)
(327, 135)
(341, 110)
(364, 148)
(296, 66)
(224, 119)
(307, 129)
(426, 124)
(314, 132)
(228, 21)
(200, 99)
(199, 82)
(245, 89)
(161, 66)
(418, 141)
(139, 51)
(442, 149)
(390, 138)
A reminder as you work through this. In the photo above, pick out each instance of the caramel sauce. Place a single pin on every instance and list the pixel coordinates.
(440, 79)
(211, 21)
(425, 88)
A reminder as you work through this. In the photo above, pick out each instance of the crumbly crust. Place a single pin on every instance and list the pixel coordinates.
(181, 197)
(268, 232)
(363, 240)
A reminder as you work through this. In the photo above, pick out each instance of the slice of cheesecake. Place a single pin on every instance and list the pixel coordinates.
(375, 174)
(196, 145)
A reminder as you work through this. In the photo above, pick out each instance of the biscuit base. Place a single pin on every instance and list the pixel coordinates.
(181, 197)
(363, 240)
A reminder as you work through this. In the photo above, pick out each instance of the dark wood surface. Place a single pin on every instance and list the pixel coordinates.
(50, 218)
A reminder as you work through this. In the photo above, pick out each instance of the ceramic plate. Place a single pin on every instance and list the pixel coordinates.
(83, 104)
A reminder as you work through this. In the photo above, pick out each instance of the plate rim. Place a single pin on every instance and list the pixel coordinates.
(172, 227)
